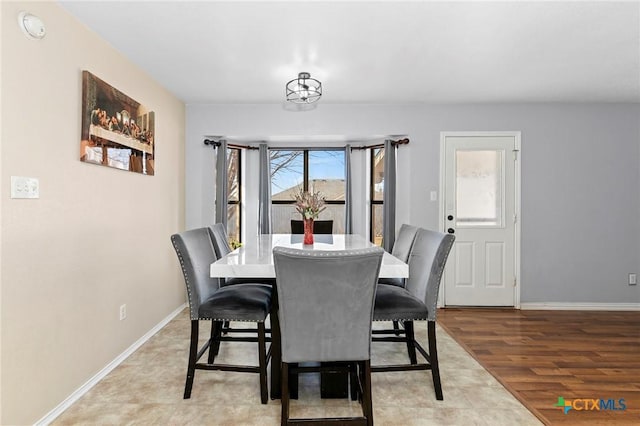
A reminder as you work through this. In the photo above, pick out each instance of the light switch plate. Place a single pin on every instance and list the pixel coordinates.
(25, 187)
(434, 195)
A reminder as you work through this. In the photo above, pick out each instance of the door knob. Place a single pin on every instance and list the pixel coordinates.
(450, 217)
(450, 230)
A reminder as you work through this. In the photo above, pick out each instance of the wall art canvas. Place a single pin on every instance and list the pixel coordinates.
(116, 130)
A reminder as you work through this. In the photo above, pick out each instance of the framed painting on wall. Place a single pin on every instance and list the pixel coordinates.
(116, 130)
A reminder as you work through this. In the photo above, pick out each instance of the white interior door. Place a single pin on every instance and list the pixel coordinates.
(480, 208)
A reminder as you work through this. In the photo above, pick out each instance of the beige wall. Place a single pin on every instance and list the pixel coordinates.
(97, 237)
(1, 185)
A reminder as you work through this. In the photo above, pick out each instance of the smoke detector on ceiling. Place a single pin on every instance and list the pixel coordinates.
(31, 25)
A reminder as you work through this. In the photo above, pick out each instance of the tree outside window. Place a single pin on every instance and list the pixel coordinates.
(234, 195)
(311, 170)
(377, 196)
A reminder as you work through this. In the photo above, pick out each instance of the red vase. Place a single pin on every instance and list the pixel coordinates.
(308, 231)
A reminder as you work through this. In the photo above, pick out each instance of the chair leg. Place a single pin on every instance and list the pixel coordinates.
(284, 380)
(293, 382)
(396, 327)
(193, 353)
(433, 355)
(367, 401)
(353, 379)
(411, 347)
(276, 357)
(214, 348)
(262, 362)
(225, 327)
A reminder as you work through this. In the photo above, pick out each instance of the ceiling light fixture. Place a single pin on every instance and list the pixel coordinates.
(304, 89)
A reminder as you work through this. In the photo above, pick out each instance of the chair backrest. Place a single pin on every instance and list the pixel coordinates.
(402, 245)
(326, 302)
(319, 226)
(220, 240)
(196, 254)
(426, 264)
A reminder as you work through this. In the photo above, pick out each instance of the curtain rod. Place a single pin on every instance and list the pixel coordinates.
(380, 145)
(216, 144)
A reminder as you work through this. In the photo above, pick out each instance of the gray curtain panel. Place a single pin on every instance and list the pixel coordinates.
(264, 194)
(389, 208)
(348, 201)
(221, 184)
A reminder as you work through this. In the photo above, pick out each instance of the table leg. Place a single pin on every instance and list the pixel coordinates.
(276, 354)
(334, 384)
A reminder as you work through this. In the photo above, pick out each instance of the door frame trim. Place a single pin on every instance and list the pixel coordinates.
(517, 135)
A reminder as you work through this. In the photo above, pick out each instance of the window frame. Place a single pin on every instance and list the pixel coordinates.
(305, 174)
(372, 199)
(237, 202)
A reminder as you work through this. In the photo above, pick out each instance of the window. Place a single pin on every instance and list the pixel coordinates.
(313, 170)
(376, 195)
(234, 195)
(478, 188)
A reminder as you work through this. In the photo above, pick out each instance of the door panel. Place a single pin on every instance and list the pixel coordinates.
(479, 203)
(494, 265)
(464, 264)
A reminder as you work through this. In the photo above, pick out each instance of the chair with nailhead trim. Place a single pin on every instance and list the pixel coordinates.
(337, 329)
(401, 249)
(209, 301)
(222, 248)
(415, 302)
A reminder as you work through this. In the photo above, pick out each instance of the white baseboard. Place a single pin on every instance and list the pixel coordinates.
(53, 414)
(581, 306)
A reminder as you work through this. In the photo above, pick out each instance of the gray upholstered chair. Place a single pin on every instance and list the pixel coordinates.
(319, 226)
(209, 301)
(325, 310)
(417, 301)
(222, 248)
(220, 240)
(401, 249)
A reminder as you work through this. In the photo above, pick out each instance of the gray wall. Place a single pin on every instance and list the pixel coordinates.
(580, 179)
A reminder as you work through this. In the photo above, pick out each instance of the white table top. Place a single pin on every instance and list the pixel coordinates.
(255, 258)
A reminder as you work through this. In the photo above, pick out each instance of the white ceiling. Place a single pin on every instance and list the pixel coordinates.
(379, 51)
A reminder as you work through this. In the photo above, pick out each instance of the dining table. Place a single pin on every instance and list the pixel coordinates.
(254, 259)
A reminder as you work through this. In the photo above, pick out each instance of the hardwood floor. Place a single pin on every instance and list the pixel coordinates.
(540, 356)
